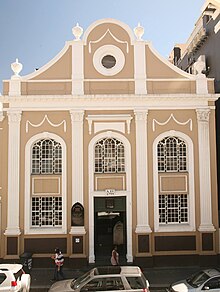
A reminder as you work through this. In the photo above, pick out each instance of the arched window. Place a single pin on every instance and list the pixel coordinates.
(47, 157)
(171, 154)
(109, 156)
(172, 158)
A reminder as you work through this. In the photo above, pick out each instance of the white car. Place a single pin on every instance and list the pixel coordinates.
(113, 278)
(208, 279)
(13, 278)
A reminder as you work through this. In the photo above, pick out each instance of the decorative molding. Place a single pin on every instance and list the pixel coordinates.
(14, 116)
(28, 229)
(58, 192)
(114, 37)
(127, 193)
(203, 114)
(110, 177)
(41, 123)
(167, 121)
(141, 115)
(103, 51)
(142, 171)
(77, 115)
(162, 178)
(103, 118)
(191, 187)
(1, 117)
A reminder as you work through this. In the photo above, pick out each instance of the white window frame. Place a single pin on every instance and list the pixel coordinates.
(111, 50)
(190, 226)
(105, 156)
(28, 229)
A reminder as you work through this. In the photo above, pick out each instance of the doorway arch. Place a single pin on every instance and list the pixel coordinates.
(98, 194)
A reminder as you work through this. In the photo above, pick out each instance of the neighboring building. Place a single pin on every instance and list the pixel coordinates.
(109, 144)
(204, 43)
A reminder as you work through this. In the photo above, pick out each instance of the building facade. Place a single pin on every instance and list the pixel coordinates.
(203, 42)
(108, 144)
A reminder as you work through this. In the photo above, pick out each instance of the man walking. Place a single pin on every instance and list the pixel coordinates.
(59, 261)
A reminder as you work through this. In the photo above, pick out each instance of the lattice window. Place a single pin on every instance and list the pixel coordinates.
(47, 157)
(109, 156)
(172, 155)
(173, 209)
(46, 211)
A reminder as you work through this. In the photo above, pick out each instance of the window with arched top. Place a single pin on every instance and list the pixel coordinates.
(172, 155)
(109, 156)
(47, 157)
(172, 159)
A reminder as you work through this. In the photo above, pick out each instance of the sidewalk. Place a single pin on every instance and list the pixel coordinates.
(159, 278)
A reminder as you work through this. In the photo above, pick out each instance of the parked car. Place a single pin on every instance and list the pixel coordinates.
(13, 278)
(208, 279)
(113, 278)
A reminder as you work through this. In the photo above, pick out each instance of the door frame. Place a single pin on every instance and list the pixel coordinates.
(127, 193)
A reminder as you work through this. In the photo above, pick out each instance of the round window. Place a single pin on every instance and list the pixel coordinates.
(108, 61)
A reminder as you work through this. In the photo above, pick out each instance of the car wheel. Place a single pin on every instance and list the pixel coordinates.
(25, 282)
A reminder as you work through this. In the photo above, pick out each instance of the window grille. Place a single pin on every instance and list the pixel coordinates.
(172, 155)
(47, 211)
(173, 208)
(47, 157)
(109, 156)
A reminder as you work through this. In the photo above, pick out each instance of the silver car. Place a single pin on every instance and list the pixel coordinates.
(203, 280)
(113, 278)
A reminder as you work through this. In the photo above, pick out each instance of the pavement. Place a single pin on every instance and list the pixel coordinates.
(159, 278)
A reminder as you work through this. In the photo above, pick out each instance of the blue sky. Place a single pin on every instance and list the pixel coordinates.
(34, 31)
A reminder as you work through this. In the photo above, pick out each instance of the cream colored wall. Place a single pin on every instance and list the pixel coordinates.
(171, 87)
(162, 116)
(157, 69)
(62, 69)
(46, 88)
(131, 139)
(119, 33)
(36, 117)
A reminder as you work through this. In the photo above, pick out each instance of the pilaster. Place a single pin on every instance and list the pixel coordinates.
(77, 68)
(14, 119)
(140, 67)
(204, 170)
(142, 173)
(77, 117)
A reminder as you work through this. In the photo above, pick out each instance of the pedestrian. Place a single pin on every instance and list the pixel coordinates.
(59, 261)
(115, 257)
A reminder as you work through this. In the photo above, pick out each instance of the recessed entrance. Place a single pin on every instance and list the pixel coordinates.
(110, 228)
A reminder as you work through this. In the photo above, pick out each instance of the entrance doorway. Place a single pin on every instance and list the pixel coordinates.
(110, 228)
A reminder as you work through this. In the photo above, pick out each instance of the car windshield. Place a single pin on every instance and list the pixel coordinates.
(79, 281)
(197, 279)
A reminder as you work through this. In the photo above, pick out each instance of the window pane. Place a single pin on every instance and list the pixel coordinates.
(173, 208)
(47, 211)
(171, 155)
(47, 157)
(109, 156)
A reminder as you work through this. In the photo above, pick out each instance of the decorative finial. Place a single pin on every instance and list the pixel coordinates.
(139, 31)
(200, 65)
(77, 31)
(16, 67)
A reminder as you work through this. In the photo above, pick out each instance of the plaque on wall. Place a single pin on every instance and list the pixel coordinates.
(77, 215)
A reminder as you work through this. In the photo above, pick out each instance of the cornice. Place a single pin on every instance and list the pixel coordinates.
(110, 102)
